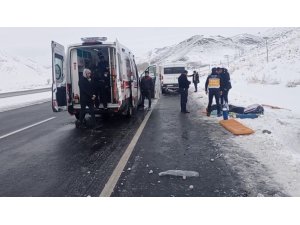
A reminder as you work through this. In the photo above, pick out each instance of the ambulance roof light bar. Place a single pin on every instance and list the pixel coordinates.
(93, 39)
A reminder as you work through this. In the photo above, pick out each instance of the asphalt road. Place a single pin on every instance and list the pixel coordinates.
(189, 142)
(56, 159)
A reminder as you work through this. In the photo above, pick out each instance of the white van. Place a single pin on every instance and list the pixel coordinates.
(67, 67)
(169, 76)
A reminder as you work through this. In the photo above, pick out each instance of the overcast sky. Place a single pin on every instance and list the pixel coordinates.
(34, 43)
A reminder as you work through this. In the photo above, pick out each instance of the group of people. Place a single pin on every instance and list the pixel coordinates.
(94, 88)
(217, 86)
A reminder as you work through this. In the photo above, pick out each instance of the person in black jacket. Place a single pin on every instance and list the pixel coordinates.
(184, 85)
(86, 96)
(213, 87)
(146, 89)
(226, 85)
(196, 81)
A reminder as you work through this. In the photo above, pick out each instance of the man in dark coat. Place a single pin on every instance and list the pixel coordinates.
(226, 85)
(184, 85)
(146, 89)
(196, 81)
(101, 80)
(86, 96)
(213, 87)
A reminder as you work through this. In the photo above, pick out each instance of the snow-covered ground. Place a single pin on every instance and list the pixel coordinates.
(18, 74)
(16, 102)
(278, 152)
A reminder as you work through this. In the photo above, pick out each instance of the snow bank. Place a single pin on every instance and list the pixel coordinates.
(17, 73)
(16, 102)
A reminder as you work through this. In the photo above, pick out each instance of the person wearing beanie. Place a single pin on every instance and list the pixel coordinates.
(226, 85)
(184, 85)
(213, 87)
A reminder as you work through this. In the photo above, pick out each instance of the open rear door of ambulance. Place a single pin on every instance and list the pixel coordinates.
(59, 97)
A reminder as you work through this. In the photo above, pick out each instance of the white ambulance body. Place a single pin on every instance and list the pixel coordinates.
(67, 67)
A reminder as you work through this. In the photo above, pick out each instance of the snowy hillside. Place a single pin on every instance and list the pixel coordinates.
(17, 73)
(200, 50)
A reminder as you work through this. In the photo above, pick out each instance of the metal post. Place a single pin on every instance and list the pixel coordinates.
(266, 38)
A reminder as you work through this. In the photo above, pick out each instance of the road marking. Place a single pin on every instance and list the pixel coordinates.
(111, 183)
(24, 128)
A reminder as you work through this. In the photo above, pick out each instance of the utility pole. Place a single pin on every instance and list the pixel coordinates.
(266, 38)
(227, 56)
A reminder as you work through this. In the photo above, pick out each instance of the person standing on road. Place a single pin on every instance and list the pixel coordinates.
(146, 89)
(195, 76)
(184, 85)
(104, 88)
(86, 96)
(226, 85)
(213, 87)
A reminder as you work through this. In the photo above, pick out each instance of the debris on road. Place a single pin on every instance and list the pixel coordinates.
(151, 171)
(129, 169)
(191, 187)
(147, 165)
(184, 177)
(212, 160)
(179, 173)
(266, 132)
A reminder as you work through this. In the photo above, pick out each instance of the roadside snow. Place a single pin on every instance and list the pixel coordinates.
(279, 151)
(16, 102)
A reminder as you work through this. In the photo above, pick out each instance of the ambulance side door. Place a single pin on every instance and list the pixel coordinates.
(59, 97)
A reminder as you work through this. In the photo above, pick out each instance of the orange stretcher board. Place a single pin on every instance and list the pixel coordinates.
(236, 127)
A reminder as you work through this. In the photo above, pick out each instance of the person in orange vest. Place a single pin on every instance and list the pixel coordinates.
(213, 87)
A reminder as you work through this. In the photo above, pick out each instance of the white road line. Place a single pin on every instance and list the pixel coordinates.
(111, 183)
(24, 128)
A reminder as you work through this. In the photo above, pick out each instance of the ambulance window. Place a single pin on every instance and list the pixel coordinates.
(134, 72)
(128, 67)
(120, 66)
(59, 68)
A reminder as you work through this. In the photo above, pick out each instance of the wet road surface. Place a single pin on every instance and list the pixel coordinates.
(192, 142)
(54, 158)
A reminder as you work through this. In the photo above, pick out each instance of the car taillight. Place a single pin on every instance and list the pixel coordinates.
(76, 99)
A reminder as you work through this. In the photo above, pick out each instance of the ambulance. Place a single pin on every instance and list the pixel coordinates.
(68, 66)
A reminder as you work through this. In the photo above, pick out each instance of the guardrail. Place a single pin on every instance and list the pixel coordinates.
(18, 93)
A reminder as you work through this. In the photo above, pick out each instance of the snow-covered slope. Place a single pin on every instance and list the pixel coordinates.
(17, 73)
(200, 50)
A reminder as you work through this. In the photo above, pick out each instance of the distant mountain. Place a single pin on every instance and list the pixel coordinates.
(17, 73)
(243, 54)
(199, 49)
